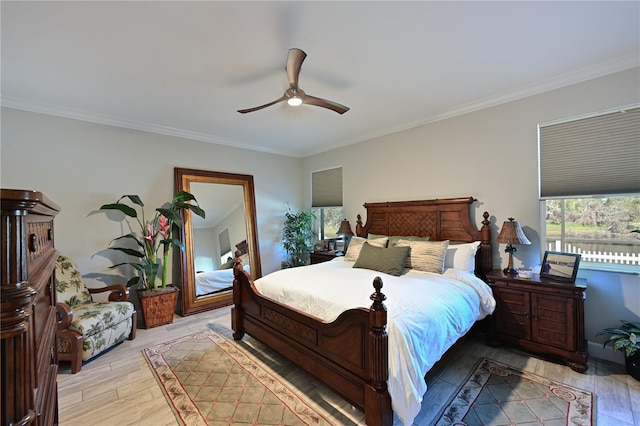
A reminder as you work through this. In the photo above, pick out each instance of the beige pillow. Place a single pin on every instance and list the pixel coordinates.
(355, 245)
(393, 240)
(427, 256)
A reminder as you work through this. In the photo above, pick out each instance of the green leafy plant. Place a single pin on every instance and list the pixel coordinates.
(297, 238)
(154, 233)
(625, 338)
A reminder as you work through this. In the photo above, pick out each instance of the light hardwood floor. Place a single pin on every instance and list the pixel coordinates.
(118, 388)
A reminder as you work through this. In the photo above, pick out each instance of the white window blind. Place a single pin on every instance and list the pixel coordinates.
(326, 188)
(225, 242)
(597, 155)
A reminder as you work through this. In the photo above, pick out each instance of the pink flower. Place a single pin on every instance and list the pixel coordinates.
(163, 224)
(149, 234)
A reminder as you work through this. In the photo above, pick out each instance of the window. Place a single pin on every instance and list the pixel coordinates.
(326, 202)
(600, 229)
(590, 187)
(225, 245)
(327, 222)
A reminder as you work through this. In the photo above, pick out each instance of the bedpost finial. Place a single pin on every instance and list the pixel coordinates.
(377, 284)
(378, 296)
(359, 226)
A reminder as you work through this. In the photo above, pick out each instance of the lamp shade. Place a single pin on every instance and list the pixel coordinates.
(345, 228)
(511, 233)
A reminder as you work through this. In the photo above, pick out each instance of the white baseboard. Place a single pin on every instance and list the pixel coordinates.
(596, 351)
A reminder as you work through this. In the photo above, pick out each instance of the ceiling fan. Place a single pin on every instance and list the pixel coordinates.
(294, 95)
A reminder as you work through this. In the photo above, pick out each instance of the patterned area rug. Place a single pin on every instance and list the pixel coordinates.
(210, 380)
(497, 394)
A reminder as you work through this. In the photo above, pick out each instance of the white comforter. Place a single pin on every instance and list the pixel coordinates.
(210, 281)
(427, 313)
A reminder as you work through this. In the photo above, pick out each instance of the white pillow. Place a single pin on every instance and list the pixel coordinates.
(356, 243)
(462, 256)
(427, 256)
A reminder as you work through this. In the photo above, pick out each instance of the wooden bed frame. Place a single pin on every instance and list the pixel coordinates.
(350, 354)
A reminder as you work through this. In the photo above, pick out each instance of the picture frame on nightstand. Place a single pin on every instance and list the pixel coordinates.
(560, 266)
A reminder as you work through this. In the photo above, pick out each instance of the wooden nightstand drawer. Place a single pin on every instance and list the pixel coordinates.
(321, 256)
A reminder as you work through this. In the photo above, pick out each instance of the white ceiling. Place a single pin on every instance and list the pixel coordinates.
(184, 68)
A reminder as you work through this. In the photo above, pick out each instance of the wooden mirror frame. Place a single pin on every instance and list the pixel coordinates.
(189, 303)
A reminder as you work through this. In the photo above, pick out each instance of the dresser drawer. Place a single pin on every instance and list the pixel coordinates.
(39, 239)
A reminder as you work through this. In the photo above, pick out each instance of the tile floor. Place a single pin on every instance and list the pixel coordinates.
(118, 388)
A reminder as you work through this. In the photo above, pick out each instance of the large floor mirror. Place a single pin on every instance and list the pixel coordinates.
(229, 231)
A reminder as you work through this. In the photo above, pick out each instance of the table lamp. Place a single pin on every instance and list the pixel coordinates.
(510, 234)
(346, 232)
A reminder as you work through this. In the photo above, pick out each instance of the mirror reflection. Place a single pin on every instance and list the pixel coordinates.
(220, 238)
(212, 244)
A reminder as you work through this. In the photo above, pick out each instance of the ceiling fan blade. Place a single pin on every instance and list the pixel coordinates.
(294, 63)
(312, 100)
(244, 111)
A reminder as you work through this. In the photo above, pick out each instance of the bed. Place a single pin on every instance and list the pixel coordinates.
(221, 279)
(351, 353)
(214, 282)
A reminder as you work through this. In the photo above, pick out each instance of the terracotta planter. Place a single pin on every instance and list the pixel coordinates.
(158, 305)
(632, 365)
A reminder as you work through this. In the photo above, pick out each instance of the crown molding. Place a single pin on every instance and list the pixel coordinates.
(567, 79)
(31, 106)
(564, 80)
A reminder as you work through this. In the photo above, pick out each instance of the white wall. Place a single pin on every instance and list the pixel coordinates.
(491, 155)
(235, 222)
(81, 165)
(205, 248)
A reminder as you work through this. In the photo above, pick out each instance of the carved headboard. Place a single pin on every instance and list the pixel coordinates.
(439, 219)
(241, 248)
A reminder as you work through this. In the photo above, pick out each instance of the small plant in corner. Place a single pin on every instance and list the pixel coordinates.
(625, 338)
(297, 238)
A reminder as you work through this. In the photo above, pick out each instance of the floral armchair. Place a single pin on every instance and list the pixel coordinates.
(87, 328)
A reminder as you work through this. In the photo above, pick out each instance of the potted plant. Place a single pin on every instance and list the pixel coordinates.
(297, 238)
(626, 339)
(157, 299)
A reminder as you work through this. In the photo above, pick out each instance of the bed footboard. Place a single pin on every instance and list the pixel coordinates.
(349, 355)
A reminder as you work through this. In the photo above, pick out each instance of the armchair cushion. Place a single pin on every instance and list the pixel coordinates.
(70, 287)
(102, 325)
(97, 317)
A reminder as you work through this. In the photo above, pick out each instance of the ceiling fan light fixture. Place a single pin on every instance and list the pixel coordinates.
(294, 95)
(294, 101)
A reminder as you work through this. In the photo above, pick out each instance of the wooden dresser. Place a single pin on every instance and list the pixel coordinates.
(541, 315)
(29, 361)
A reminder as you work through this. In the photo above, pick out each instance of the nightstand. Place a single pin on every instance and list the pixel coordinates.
(321, 256)
(540, 315)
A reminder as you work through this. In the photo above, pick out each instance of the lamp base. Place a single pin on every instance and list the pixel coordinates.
(510, 269)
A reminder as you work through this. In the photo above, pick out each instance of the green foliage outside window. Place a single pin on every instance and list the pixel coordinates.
(327, 221)
(595, 224)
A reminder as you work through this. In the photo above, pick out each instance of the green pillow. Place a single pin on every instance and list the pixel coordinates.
(374, 236)
(389, 260)
(393, 240)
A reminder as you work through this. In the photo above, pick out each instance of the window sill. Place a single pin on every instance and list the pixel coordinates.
(611, 267)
